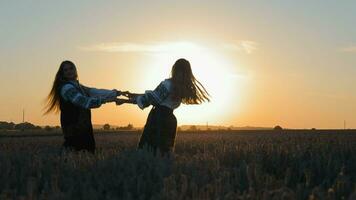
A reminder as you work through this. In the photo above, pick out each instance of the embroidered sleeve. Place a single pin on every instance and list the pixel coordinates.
(103, 93)
(72, 94)
(154, 97)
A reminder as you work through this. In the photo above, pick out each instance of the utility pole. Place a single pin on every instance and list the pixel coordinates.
(23, 120)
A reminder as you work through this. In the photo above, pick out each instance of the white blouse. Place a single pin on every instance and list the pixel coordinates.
(85, 97)
(162, 95)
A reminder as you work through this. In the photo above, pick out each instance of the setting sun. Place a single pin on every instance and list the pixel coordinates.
(213, 70)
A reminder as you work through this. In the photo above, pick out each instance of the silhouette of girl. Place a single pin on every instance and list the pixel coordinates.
(74, 102)
(160, 129)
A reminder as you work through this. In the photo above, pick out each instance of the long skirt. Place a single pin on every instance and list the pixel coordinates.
(80, 142)
(160, 130)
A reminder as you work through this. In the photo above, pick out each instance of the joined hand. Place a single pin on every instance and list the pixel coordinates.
(120, 101)
(128, 94)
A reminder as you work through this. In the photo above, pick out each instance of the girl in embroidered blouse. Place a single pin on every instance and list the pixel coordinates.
(74, 102)
(160, 129)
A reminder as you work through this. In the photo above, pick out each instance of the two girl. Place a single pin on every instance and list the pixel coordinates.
(74, 101)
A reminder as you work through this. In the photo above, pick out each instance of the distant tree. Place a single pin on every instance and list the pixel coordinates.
(278, 128)
(48, 128)
(231, 127)
(24, 126)
(193, 128)
(106, 127)
(7, 125)
(130, 127)
(38, 127)
(179, 129)
(57, 127)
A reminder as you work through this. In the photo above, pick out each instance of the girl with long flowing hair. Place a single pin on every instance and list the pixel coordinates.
(182, 87)
(74, 101)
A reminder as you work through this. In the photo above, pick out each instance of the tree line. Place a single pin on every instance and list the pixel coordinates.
(24, 126)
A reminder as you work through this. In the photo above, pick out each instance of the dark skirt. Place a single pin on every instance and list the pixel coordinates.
(160, 130)
(80, 142)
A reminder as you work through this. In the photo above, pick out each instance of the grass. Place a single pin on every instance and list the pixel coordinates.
(206, 165)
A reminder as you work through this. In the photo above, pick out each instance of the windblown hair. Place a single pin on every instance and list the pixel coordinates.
(53, 98)
(185, 86)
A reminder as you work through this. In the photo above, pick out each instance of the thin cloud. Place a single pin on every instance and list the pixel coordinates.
(244, 45)
(140, 47)
(351, 49)
(120, 47)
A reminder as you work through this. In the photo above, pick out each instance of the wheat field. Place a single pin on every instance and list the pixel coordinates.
(300, 164)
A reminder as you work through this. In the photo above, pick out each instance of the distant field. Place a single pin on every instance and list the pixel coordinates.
(206, 165)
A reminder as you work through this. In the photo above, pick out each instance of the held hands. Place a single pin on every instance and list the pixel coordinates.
(118, 92)
(120, 101)
(125, 93)
(129, 94)
(131, 98)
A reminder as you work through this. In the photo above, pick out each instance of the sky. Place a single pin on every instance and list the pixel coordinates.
(264, 63)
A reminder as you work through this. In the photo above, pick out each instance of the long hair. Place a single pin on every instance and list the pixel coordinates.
(53, 98)
(185, 86)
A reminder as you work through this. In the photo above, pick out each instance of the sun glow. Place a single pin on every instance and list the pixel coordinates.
(212, 69)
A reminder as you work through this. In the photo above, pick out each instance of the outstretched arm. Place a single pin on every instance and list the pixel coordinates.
(150, 97)
(73, 95)
(104, 93)
(153, 97)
